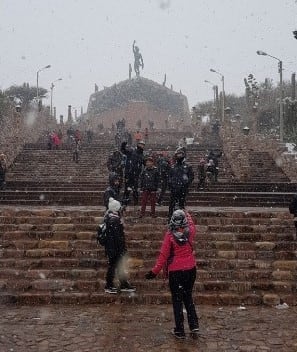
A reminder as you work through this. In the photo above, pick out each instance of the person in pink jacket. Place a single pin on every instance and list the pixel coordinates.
(177, 255)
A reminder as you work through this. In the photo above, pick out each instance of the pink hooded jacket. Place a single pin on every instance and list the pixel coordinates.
(178, 257)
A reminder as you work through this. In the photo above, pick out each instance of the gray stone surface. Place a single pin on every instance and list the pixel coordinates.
(131, 328)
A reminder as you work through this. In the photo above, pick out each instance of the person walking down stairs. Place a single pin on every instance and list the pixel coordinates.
(75, 149)
(293, 210)
(177, 257)
(115, 164)
(181, 176)
(201, 171)
(115, 249)
(133, 169)
(3, 167)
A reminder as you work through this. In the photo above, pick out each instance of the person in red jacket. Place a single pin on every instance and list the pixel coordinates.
(177, 253)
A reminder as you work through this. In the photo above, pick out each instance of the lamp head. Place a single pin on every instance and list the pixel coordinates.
(212, 70)
(48, 66)
(260, 52)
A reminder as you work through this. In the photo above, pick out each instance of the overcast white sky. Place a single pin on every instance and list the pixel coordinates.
(90, 41)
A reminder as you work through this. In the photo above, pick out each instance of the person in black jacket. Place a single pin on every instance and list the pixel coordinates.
(215, 157)
(201, 170)
(293, 210)
(181, 176)
(3, 167)
(115, 249)
(113, 190)
(133, 169)
(149, 180)
(115, 164)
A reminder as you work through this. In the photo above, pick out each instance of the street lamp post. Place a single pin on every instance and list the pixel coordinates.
(281, 105)
(37, 80)
(52, 88)
(223, 92)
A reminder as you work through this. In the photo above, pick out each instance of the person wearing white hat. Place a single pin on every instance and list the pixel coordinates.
(115, 249)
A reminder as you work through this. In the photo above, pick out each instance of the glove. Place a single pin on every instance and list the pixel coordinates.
(150, 275)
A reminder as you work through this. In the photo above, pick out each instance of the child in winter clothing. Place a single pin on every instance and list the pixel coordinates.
(115, 248)
(149, 180)
(75, 149)
(201, 173)
(177, 253)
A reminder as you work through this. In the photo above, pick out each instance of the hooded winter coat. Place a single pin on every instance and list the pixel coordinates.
(115, 237)
(178, 255)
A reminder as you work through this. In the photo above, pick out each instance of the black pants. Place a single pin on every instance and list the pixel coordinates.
(2, 181)
(177, 200)
(131, 182)
(163, 184)
(201, 181)
(181, 286)
(75, 156)
(216, 174)
(115, 266)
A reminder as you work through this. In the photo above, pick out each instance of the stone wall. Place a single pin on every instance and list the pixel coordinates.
(278, 152)
(17, 129)
(237, 146)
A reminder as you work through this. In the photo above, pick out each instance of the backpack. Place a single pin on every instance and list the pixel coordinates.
(101, 234)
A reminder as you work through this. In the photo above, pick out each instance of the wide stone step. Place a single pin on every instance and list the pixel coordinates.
(260, 187)
(87, 242)
(220, 298)
(51, 255)
(237, 280)
(94, 198)
(95, 285)
(57, 164)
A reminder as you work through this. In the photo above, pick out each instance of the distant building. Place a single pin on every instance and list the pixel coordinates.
(139, 99)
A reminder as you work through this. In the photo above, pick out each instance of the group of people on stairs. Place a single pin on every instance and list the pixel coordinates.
(132, 168)
(176, 259)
